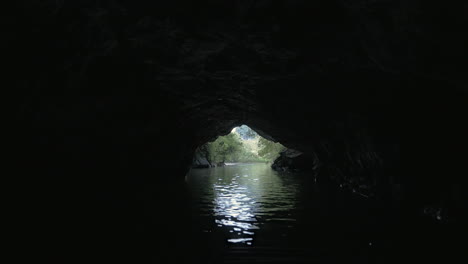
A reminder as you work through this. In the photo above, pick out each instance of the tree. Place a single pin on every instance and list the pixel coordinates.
(269, 150)
(232, 148)
(224, 148)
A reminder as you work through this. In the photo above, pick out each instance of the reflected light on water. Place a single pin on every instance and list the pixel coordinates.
(243, 198)
(235, 208)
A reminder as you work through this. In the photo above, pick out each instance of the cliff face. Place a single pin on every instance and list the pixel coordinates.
(373, 91)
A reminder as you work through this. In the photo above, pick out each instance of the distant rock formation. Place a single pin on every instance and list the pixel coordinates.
(246, 132)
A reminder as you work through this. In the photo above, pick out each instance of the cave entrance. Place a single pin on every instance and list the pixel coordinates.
(237, 194)
(241, 145)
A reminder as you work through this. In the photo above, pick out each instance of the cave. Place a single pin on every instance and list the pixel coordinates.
(114, 97)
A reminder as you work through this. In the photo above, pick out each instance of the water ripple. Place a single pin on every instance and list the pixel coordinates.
(241, 205)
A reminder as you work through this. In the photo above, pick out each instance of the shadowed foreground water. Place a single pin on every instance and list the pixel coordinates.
(250, 213)
(248, 208)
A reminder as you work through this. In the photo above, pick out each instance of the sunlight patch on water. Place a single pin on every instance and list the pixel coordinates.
(239, 240)
(242, 198)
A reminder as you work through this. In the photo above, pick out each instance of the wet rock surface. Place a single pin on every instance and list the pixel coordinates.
(114, 97)
(200, 160)
(292, 160)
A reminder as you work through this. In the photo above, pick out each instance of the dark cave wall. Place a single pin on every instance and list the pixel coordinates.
(115, 96)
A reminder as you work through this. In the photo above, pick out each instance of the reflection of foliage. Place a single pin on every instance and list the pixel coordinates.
(231, 148)
(269, 150)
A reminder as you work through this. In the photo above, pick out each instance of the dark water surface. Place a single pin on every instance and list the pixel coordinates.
(249, 213)
(252, 207)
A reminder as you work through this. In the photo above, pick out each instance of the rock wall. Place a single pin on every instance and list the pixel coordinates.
(292, 160)
(200, 159)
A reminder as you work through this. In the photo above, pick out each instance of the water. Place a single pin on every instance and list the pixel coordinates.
(244, 213)
(239, 202)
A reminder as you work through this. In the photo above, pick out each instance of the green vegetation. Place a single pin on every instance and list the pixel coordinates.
(236, 147)
(269, 150)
